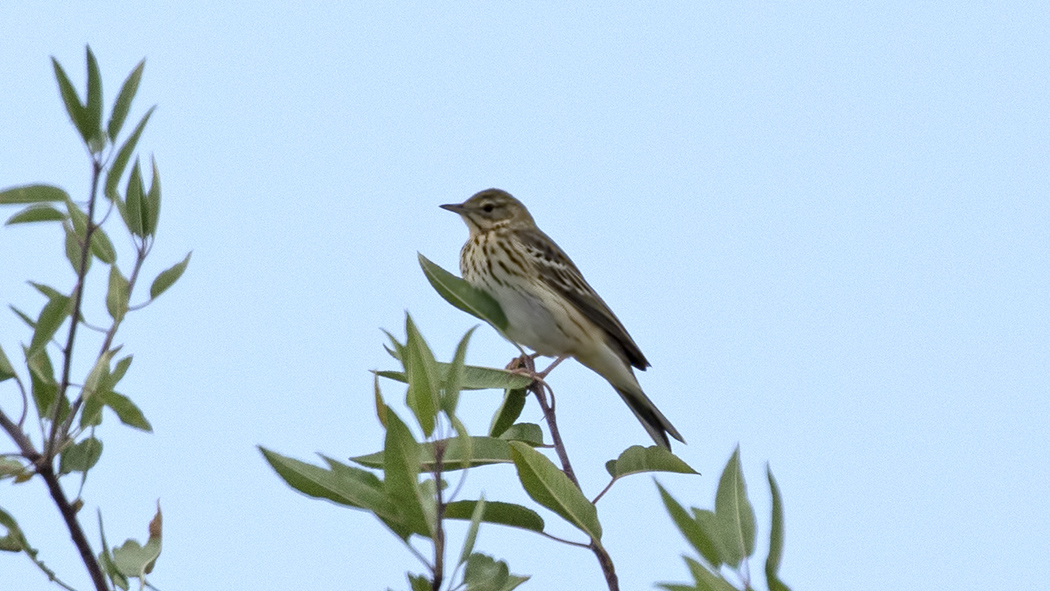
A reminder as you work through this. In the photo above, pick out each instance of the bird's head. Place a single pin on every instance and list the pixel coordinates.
(492, 209)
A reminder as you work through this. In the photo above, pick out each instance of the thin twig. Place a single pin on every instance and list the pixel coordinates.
(537, 388)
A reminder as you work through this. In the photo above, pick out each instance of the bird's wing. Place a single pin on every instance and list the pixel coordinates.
(559, 273)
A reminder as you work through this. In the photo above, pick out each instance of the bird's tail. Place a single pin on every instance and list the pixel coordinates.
(651, 418)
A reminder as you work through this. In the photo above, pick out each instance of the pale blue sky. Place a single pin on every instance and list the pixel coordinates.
(827, 226)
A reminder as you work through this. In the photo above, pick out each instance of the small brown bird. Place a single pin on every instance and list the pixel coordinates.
(550, 308)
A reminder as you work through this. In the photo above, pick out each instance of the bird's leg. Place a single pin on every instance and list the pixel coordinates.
(544, 373)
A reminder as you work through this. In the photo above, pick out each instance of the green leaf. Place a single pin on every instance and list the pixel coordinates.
(151, 211)
(529, 433)
(133, 200)
(463, 295)
(120, 162)
(423, 384)
(340, 483)
(101, 247)
(550, 487)
(484, 573)
(509, 411)
(419, 582)
(117, 295)
(14, 540)
(44, 388)
(127, 411)
(453, 380)
(691, 529)
(474, 377)
(78, 218)
(93, 108)
(36, 213)
(483, 451)
(705, 579)
(48, 291)
(53, 314)
(74, 252)
(401, 455)
(32, 194)
(497, 513)
(123, 103)
(397, 352)
(168, 277)
(81, 456)
(25, 317)
(734, 512)
(776, 537)
(106, 559)
(637, 459)
(77, 113)
(6, 370)
(119, 370)
(135, 560)
(472, 531)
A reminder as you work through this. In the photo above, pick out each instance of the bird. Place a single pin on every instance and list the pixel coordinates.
(550, 307)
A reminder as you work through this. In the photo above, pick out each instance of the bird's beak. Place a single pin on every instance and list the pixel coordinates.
(454, 207)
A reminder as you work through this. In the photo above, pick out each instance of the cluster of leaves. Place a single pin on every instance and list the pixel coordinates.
(67, 413)
(411, 496)
(725, 537)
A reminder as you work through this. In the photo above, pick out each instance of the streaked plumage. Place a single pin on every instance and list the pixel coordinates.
(550, 308)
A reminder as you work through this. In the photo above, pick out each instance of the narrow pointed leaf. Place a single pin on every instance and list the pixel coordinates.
(123, 103)
(117, 294)
(705, 579)
(6, 370)
(497, 513)
(133, 198)
(77, 112)
(735, 514)
(776, 537)
(152, 210)
(472, 531)
(101, 247)
(32, 194)
(464, 296)
(484, 451)
(120, 162)
(550, 487)
(380, 403)
(119, 370)
(74, 252)
(93, 107)
(474, 377)
(637, 459)
(694, 534)
(340, 484)
(53, 314)
(423, 382)
(509, 411)
(401, 455)
(127, 411)
(453, 376)
(36, 213)
(168, 277)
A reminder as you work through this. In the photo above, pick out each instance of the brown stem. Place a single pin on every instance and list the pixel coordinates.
(439, 531)
(69, 514)
(52, 445)
(608, 569)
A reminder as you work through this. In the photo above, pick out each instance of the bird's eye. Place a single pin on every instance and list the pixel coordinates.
(488, 207)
